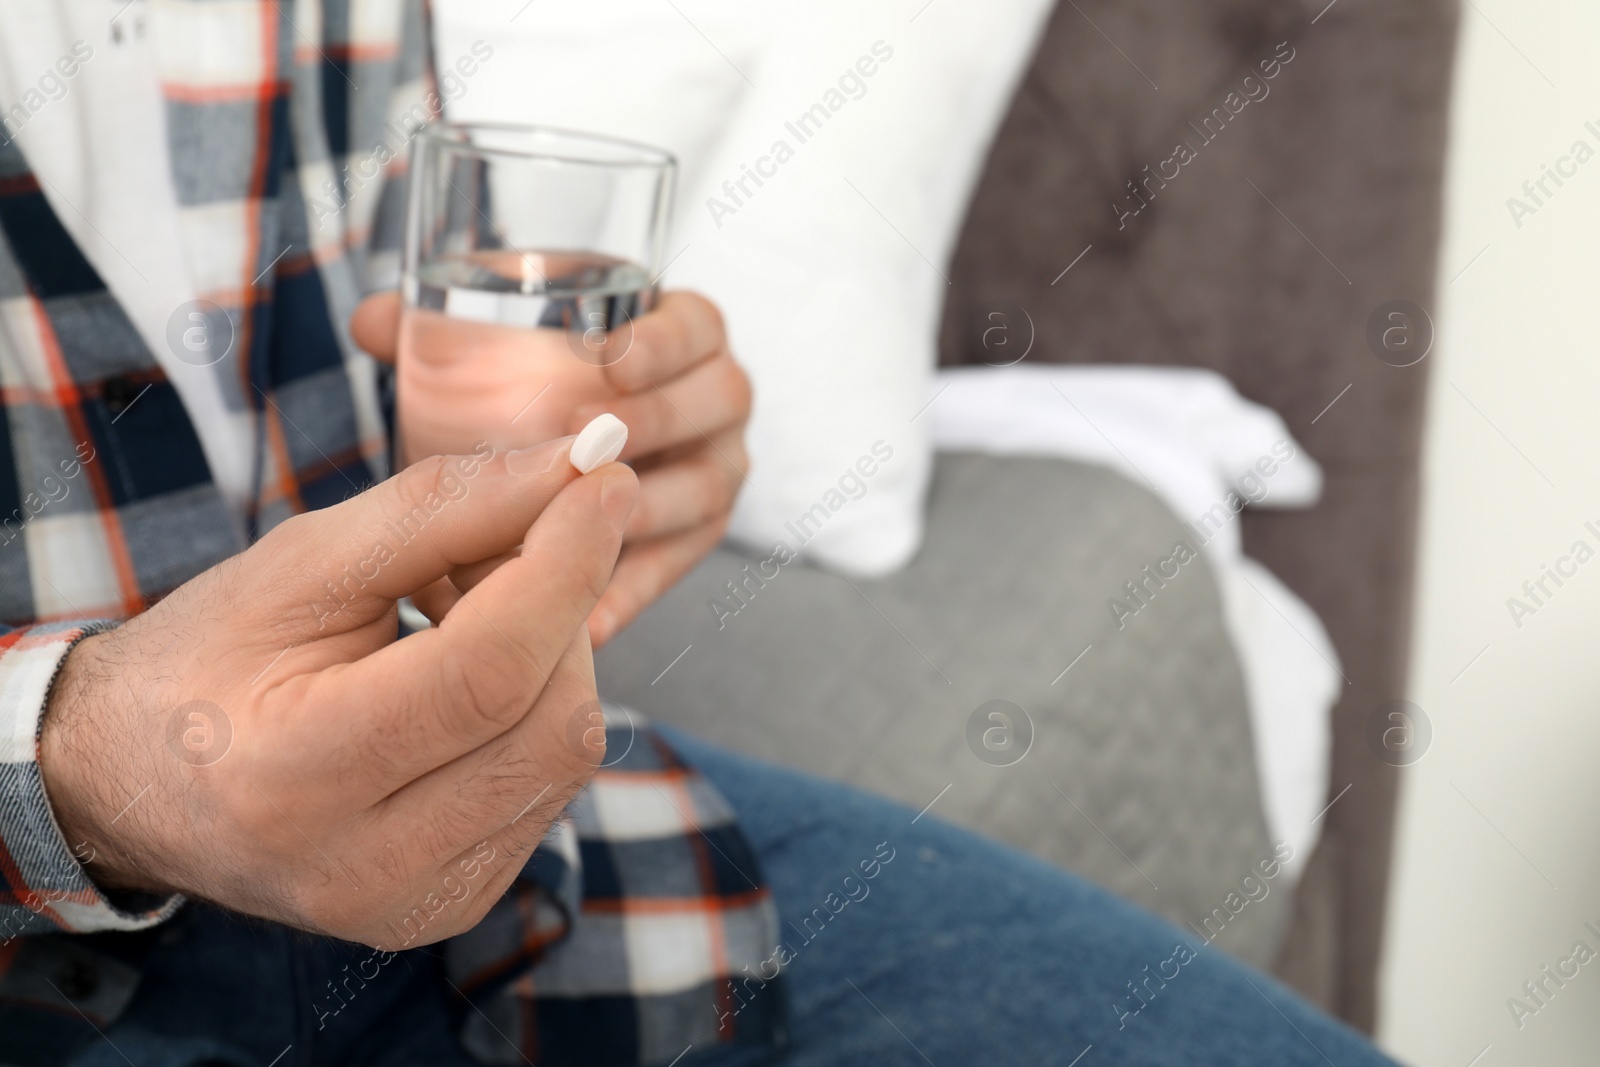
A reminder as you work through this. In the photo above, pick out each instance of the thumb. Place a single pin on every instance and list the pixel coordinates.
(375, 326)
(351, 561)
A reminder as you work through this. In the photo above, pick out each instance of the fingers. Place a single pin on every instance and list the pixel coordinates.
(684, 493)
(511, 788)
(712, 397)
(692, 495)
(444, 692)
(687, 494)
(646, 571)
(341, 567)
(436, 600)
(375, 326)
(682, 330)
(463, 579)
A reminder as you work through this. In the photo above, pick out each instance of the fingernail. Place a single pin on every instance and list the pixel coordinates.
(599, 443)
(540, 459)
(616, 498)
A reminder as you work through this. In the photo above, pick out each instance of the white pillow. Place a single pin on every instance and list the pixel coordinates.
(829, 264)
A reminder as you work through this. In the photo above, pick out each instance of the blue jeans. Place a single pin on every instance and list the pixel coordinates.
(962, 952)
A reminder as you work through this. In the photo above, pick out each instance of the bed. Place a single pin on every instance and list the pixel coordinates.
(1274, 253)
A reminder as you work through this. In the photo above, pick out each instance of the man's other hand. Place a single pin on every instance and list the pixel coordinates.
(685, 399)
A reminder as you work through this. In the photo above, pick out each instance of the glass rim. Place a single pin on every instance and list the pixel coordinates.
(457, 135)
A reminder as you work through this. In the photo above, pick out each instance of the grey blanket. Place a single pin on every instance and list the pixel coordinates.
(992, 680)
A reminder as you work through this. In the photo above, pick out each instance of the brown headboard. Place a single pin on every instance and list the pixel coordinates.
(1262, 252)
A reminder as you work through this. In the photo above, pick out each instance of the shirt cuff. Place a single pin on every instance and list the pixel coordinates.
(43, 886)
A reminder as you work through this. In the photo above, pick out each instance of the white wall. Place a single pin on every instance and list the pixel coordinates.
(1499, 846)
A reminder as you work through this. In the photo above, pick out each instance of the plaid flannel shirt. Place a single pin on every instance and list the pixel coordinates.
(623, 939)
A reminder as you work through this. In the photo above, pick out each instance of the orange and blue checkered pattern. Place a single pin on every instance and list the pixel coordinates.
(624, 939)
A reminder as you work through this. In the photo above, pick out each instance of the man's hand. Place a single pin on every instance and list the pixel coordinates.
(684, 398)
(260, 739)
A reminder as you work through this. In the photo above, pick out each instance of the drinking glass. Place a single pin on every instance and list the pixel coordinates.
(529, 251)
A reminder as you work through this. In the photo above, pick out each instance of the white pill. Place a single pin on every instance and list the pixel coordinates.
(599, 443)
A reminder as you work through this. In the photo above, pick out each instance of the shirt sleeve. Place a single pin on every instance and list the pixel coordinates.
(43, 886)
